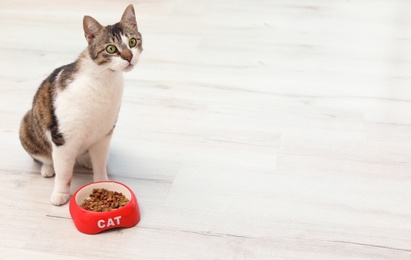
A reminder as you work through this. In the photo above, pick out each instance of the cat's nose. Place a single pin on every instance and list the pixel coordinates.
(127, 55)
(128, 58)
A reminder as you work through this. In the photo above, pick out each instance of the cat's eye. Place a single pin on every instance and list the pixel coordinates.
(132, 43)
(111, 49)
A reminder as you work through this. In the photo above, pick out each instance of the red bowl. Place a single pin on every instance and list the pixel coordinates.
(90, 222)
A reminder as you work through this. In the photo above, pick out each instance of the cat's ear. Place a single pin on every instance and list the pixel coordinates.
(129, 17)
(91, 28)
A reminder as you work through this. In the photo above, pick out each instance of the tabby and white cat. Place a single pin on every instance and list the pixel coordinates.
(75, 109)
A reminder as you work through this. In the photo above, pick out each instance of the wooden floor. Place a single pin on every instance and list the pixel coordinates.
(250, 130)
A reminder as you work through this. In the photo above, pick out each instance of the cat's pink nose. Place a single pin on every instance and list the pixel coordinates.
(128, 58)
(127, 55)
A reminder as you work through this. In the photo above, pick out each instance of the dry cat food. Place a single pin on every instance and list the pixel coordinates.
(102, 200)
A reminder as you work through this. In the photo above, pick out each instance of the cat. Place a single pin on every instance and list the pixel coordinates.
(75, 109)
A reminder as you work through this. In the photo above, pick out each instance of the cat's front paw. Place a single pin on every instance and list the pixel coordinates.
(59, 199)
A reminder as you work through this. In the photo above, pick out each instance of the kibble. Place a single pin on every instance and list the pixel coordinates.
(102, 200)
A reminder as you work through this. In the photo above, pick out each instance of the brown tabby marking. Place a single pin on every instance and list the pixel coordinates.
(36, 122)
(41, 117)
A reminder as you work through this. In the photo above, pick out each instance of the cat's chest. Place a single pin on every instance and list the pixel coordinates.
(89, 108)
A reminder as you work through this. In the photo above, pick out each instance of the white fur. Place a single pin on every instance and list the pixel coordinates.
(87, 111)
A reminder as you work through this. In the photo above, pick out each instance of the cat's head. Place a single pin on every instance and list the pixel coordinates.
(116, 47)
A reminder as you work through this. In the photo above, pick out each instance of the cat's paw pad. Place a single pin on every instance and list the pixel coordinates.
(47, 171)
(59, 199)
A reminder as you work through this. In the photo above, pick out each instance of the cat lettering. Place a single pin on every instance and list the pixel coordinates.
(109, 223)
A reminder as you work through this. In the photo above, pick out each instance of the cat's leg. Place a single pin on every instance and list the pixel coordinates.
(85, 160)
(35, 144)
(99, 156)
(64, 158)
